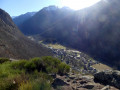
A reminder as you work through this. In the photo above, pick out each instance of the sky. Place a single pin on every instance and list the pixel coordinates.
(18, 7)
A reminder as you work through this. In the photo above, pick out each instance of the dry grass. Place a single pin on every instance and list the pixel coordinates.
(101, 67)
(57, 46)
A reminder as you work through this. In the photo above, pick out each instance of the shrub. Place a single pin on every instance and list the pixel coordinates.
(39, 64)
(50, 61)
(33, 74)
(63, 68)
(67, 68)
(10, 83)
(25, 86)
(19, 64)
(30, 66)
(41, 84)
(2, 60)
(38, 84)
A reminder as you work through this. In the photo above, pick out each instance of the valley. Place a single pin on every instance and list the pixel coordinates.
(93, 30)
(79, 61)
(59, 48)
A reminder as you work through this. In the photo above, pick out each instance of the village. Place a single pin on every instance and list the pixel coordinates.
(77, 60)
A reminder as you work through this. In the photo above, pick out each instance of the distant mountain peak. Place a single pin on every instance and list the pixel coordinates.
(51, 8)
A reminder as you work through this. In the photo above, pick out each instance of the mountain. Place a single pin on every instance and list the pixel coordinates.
(43, 20)
(20, 19)
(93, 30)
(13, 44)
(13, 17)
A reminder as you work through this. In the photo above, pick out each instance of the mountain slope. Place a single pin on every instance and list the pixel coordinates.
(93, 30)
(13, 44)
(45, 19)
(20, 19)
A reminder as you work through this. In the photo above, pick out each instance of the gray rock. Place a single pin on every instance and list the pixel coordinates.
(72, 77)
(88, 86)
(106, 87)
(68, 80)
(74, 81)
(83, 82)
(108, 77)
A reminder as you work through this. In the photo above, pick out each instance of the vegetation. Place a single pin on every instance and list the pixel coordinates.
(2, 60)
(33, 74)
(57, 46)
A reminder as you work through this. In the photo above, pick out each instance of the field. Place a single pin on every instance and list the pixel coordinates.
(101, 67)
(56, 46)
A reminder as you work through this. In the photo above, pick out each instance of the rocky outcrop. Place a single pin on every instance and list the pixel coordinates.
(108, 77)
(78, 82)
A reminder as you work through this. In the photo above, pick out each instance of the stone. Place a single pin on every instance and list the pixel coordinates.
(88, 86)
(106, 87)
(58, 82)
(108, 77)
(72, 77)
(83, 82)
(68, 80)
(74, 81)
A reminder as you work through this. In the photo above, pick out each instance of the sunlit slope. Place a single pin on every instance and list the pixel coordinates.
(13, 44)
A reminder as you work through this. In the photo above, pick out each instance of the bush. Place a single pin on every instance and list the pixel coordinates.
(41, 84)
(30, 66)
(2, 60)
(46, 64)
(38, 84)
(33, 74)
(25, 86)
(19, 64)
(63, 68)
(39, 64)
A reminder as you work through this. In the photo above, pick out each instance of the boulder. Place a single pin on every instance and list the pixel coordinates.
(58, 82)
(108, 77)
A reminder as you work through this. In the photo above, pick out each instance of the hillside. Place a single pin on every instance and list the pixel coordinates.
(44, 20)
(93, 30)
(13, 44)
(48, 73)
(20, 19)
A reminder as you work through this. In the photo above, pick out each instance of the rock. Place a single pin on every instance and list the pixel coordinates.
(72, 77)
(88, 86)
(74, 81)
(68, 80)
(87, 78)
(106, 87)
(108, 77)
(53, 75)
(58, 82)
(83, 82)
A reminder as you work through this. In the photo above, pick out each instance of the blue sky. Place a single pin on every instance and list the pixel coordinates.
(17, 7)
